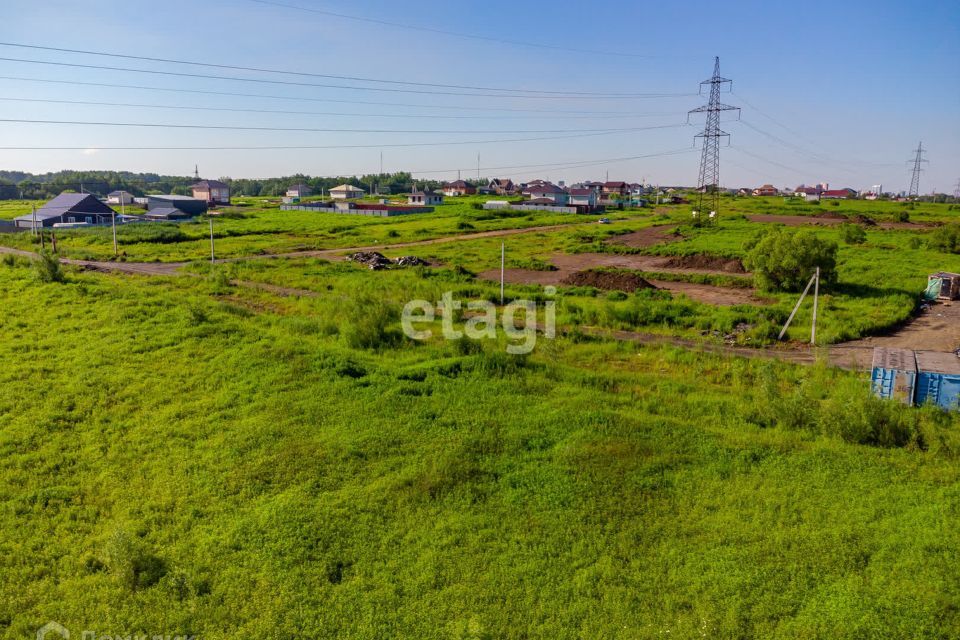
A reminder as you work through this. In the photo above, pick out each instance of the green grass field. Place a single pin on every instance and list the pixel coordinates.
(183, 456)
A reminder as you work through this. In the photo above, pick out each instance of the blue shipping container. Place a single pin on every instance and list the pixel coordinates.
(894, 374)
(938, 381)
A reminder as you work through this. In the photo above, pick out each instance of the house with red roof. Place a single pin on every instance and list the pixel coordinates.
(839, 194)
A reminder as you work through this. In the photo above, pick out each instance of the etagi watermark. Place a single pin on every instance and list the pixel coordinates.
(56, 631)
(481, 320)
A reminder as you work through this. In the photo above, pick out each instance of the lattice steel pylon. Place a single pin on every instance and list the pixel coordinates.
(708, 183)
(915, 175)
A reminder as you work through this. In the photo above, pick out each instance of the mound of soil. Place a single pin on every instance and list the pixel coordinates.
(866, 221)
(607, 280)
(706, 262)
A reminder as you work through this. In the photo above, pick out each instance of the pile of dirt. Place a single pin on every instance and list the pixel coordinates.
(866, 221)
(372, 259)
(706, 262)
(608, 280)
(377, 261)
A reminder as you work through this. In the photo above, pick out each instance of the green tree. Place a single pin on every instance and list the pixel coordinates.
(783, 259)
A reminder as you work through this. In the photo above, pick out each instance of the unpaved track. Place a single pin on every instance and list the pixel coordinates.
(824, 221)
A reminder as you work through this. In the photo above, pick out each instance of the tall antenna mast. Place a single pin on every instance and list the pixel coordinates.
(708, 183)
(915, 176)
(196, 172)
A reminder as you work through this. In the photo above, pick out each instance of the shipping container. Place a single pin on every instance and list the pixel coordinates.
(938, 379)
(894, 374)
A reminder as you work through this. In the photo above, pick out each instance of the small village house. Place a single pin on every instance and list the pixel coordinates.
(67, 208)
(582, 197)
(346, 192)
(766, 190)
(458, 188)
(838, 194)
(546, 191)
(615, 189)
(213, 192)
(120, 197)
(427, 198)
(299, 191)
(186, 204)
(502, 186)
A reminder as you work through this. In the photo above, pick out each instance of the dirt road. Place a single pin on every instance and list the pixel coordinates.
(827, 221)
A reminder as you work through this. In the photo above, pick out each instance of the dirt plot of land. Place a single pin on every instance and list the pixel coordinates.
(828, 220)
(569, 266)
(647, 237)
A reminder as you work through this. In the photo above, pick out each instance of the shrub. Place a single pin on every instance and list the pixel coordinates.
(946, 238)
(371, 323)
(852, 233)
(47, 267)
(783, 259)
(902, 216)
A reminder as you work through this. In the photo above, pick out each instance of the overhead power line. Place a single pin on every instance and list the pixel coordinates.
(305, 74)
(160, 125)
(311, 147)
(456, 34)
(353, 114)
(291, 83)
(234, 94)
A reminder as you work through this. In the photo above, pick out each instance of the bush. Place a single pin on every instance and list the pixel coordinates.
(47, 267)
(902, 216)
(946, 238)
(852, 233)
(783, 259)
(371, 323)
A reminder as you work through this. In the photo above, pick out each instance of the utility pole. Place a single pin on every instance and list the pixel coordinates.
(915, 175)
(956, 190)
(34, 228)
(478, 168)
(708, 183)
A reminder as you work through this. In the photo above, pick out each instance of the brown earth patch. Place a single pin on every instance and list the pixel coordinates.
(647, 237)
(607, 280)
(706, 262)
(822, 219)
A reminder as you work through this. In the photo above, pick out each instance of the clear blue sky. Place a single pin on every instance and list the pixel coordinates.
(846, 89)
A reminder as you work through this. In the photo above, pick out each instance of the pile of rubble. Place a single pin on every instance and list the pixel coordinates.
(377, 261)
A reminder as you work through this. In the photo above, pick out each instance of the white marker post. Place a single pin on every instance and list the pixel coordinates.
(503, 253)
(816, 294)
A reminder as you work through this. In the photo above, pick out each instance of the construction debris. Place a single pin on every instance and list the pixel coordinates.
(377, 261)
(411, 261)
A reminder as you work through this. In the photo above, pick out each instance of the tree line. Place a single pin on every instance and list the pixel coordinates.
(20, 185)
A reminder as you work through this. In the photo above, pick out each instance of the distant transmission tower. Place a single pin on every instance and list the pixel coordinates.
(915, 178)
(709, 182)
(956, 190)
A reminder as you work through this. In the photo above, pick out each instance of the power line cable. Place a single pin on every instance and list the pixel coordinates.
(321, 129)
(328, 113)
(457, 34)
(310, 147)
(308, 99)
(291, 83)
(293, 73)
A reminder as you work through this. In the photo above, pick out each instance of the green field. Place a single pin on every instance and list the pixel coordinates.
(183, 455)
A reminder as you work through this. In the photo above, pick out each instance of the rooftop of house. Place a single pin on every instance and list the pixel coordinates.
(545, 187)
(347, 187)
(67, 203)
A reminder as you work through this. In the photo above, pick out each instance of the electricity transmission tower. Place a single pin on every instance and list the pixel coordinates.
(956, 190)
(708, 183)
(915, 178)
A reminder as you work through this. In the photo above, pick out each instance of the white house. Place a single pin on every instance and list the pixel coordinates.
(583, 197)
(346, 192)
(546, 191)
(426, 198)
(119, 197)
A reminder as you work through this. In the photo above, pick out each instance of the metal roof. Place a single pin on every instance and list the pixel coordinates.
(938, 362)
(68, 203)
